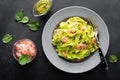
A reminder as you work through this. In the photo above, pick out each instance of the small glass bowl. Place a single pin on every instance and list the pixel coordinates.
(14, 50)
(44, 13)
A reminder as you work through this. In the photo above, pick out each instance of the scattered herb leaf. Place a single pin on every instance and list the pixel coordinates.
(19, 15)
(25, 19)
(23, 59)
(6, 38)
(33, 25)
(113, 58)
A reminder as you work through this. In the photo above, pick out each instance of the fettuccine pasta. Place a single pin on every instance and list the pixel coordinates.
(74, 39)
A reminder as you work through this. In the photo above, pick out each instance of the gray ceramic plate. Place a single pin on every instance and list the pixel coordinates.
(50, 52)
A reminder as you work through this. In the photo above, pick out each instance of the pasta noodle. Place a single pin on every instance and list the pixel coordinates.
(74, 39)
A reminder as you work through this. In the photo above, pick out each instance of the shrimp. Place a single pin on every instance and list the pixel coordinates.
(81, 46)
(83, 28)
(25, 47)
(64, 39)
(94, 40)
(71, 31)
(18, 54)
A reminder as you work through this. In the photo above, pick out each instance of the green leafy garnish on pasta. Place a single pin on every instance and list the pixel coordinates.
(74, 39)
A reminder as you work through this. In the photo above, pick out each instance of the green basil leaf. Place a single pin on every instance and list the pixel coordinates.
(19, 15)
(25, 19)
(113, 58)
(6, 38)
(33, 25)
(23, 59)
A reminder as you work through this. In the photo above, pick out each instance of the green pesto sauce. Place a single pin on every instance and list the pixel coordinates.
(42, 6)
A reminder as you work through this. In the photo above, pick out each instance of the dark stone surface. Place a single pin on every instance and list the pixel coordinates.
(41, 68)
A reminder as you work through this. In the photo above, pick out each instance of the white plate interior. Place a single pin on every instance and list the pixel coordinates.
(50, 52)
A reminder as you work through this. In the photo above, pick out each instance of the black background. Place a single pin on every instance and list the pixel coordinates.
(40, 68)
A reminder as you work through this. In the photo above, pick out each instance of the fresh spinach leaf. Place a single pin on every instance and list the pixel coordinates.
(33, 25)
(25, 19)
(113, 58)
(23, 59)
(19, 15)
(7, 38)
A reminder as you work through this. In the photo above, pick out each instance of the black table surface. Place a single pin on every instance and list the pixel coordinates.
(40, 68)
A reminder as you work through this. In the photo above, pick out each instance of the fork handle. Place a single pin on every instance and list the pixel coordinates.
(103, 59)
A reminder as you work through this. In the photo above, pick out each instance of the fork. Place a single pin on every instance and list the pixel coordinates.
(102, 57)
